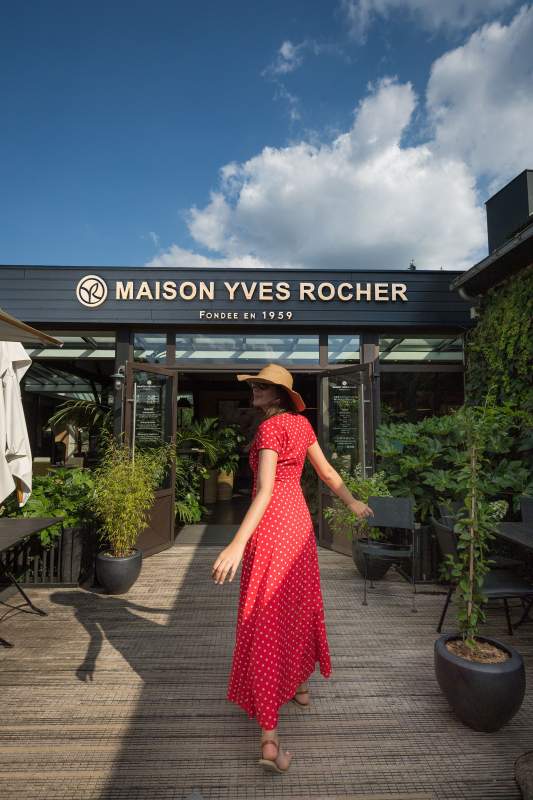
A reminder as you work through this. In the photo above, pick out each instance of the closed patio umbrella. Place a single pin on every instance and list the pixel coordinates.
(15, 445)
(15, 452)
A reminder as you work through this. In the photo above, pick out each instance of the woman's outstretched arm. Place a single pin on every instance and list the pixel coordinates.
(331, 478)
(229, 559)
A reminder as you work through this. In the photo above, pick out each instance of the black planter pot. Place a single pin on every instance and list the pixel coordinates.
(376, 567)
(117, 575)
(484, 696)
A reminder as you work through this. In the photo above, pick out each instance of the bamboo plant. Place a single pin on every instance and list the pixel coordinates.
(124, 491)
(476, 524)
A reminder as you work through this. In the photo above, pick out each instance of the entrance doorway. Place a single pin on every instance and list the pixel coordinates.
(206, 394)
(346, 435)
(159, 401)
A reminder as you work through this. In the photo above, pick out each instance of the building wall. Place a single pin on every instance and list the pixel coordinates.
(50, 296)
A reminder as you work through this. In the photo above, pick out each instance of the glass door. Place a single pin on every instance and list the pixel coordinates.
(150, 420)
(345, 433)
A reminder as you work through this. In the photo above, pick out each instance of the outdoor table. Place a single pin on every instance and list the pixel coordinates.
(12, 531)
(520, 533)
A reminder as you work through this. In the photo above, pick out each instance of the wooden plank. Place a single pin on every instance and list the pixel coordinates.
(114, 697)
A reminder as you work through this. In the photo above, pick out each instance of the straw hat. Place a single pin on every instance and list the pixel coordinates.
(280, 376)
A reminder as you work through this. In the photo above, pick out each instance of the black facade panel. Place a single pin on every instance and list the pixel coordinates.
(47, 296)
(510, 209)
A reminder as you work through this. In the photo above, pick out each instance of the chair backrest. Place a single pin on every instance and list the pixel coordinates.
(446, 538)
(526, 508)
(449, 510)
(392, 512)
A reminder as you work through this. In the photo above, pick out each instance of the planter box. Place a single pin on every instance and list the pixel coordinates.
(68, 562)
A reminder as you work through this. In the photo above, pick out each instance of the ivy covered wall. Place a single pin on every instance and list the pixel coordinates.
(499, 349)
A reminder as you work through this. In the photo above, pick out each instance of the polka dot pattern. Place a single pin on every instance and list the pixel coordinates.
(281, 630)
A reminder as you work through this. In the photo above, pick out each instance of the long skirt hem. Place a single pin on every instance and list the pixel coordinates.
(265, 724)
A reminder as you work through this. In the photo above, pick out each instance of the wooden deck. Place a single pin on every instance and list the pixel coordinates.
(124, 697)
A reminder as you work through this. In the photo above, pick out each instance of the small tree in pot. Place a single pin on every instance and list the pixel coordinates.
(345, 522)
(482, 678)
(124, 491)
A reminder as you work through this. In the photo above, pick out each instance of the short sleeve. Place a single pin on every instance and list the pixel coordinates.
(269, 437)
(311, 437)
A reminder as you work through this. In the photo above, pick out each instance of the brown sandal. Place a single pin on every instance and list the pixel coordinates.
(294, 700)
(267, 763)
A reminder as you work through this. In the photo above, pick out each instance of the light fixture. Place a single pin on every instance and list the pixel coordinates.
(119, 377)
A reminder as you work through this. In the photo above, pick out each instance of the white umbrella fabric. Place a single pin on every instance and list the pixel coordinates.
(15, 451)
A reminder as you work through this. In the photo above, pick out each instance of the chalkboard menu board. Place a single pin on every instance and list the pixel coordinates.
(149, 414)
(343, 422)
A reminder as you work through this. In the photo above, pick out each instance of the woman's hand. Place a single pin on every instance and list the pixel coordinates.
(227, 562)
(361, 510)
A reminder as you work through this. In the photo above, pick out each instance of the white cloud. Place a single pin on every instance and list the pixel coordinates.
(362, 201)
(179, 257)
(431, 14)
(368, 199)
(480, 99)
(289, 57)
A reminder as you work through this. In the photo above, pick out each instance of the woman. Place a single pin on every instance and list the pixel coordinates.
(281, 629)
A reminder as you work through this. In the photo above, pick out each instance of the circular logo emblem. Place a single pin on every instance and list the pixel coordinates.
(91, 291)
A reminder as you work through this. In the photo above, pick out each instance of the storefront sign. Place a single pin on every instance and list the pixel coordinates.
(92, 291)
(142, 297)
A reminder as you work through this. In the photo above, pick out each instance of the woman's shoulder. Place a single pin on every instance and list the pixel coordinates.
(285, 420)
(290, 422)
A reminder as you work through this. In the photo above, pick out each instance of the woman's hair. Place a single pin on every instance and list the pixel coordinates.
(285, 403)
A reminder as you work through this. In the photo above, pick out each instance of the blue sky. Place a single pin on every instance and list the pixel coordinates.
(354, 133)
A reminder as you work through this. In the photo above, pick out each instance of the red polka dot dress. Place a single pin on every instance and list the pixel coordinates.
(281, 631)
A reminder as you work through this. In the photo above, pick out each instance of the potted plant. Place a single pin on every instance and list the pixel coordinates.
(345, 522)
(228, 440)
(190, 473)
(124, 491)
(422, 459)
(482, 678)
(65, 493)
(93, 417)
(195, 444)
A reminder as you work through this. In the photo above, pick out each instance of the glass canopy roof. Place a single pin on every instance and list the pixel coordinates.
(42, 379)
(77, 344)
(421, 348)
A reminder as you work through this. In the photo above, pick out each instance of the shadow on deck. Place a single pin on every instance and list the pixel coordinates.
(124, 697)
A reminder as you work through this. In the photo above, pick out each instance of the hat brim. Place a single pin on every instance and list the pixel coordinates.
(296, 397)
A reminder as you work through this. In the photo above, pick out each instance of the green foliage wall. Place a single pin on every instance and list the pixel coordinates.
(499, 349)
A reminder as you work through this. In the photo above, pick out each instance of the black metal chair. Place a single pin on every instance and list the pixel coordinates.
(498, 584)
(395, 513)
(448, 513)
(526, 509)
